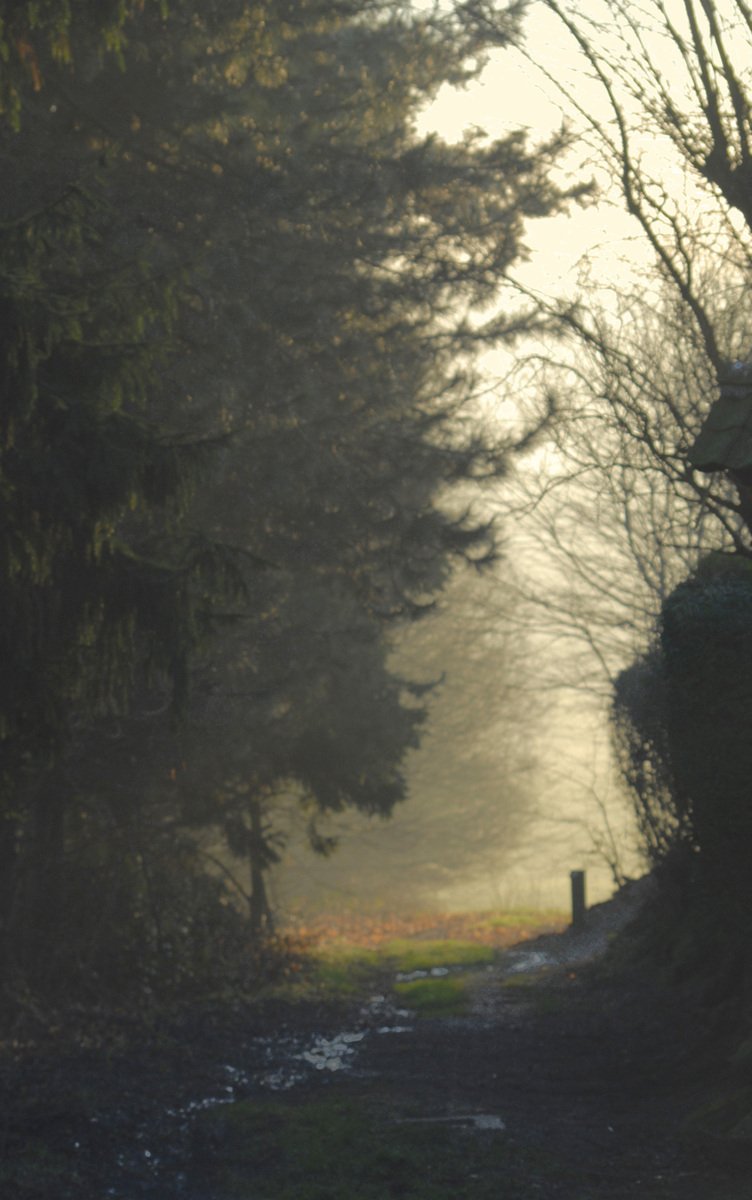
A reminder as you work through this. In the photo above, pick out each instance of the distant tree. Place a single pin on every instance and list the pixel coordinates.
(614, 514)
(470, 782)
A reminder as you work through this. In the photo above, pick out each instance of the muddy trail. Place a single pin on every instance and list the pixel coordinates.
(538, 1075)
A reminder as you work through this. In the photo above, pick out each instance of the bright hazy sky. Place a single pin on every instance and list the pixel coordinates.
(512, 94)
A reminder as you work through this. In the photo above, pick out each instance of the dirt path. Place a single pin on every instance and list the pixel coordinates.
(569, 1073)
(558, 1082)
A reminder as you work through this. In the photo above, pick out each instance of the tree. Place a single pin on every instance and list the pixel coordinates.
(99, 583)
(668, 88)
(49, 33)
(618, 517)
(240, 245)
(614, 516)
(82, 585)
(345, 366)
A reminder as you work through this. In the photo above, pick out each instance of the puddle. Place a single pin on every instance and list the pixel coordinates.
(279, 1063)
(380, 1006)
(526, 960)
(486, 1121)
(290, 1060)
(408, 976)
(332, 1054)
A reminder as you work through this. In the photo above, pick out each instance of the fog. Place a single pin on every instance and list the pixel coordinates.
(514, 784)
(512, 787)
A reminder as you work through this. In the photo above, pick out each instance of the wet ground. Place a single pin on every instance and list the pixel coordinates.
(561, 1081)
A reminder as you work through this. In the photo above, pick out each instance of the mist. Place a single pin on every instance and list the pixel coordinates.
(513, 785)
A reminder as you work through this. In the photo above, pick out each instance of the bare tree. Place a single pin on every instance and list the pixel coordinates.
(615, 517)
(662, 94)
(612, 513)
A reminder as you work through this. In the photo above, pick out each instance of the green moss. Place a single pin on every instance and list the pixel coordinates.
(356, 1147)
(343, 968)
(406, 955)
(434, 997)
(525, 981)
(529, 918)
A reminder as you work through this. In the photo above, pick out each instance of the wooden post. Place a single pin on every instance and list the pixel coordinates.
(578, 898)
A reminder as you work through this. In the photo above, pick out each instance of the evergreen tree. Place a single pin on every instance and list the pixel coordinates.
(98, 582)
(242, 240)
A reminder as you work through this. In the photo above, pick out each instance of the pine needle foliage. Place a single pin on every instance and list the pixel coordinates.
(228, 258)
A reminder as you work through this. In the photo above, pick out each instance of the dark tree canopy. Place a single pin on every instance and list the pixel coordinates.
(243, 299)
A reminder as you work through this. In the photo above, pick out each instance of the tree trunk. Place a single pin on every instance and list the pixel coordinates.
(42, 918)
(9, 826)
(260, 912)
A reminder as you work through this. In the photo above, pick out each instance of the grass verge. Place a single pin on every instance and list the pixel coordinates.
(356, 1146)
(344, 968)
(434, 997)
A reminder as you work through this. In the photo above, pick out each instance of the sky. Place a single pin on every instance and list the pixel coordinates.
(510, 94)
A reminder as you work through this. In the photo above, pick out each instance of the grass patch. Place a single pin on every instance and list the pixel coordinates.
(35, 1171)
(354, 1147)
(405, 955)
(528, 919)
(445, 997)
(344, 968)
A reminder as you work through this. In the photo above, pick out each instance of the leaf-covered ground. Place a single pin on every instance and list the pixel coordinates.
(502, 929)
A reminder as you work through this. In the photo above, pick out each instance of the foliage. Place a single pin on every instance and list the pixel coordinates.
(499, 928)
(38, 33)
(707, 645)
(230, 259)
(639, 717)
(103, 592)
(433, 997)
(682, 717)
(163, 929)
